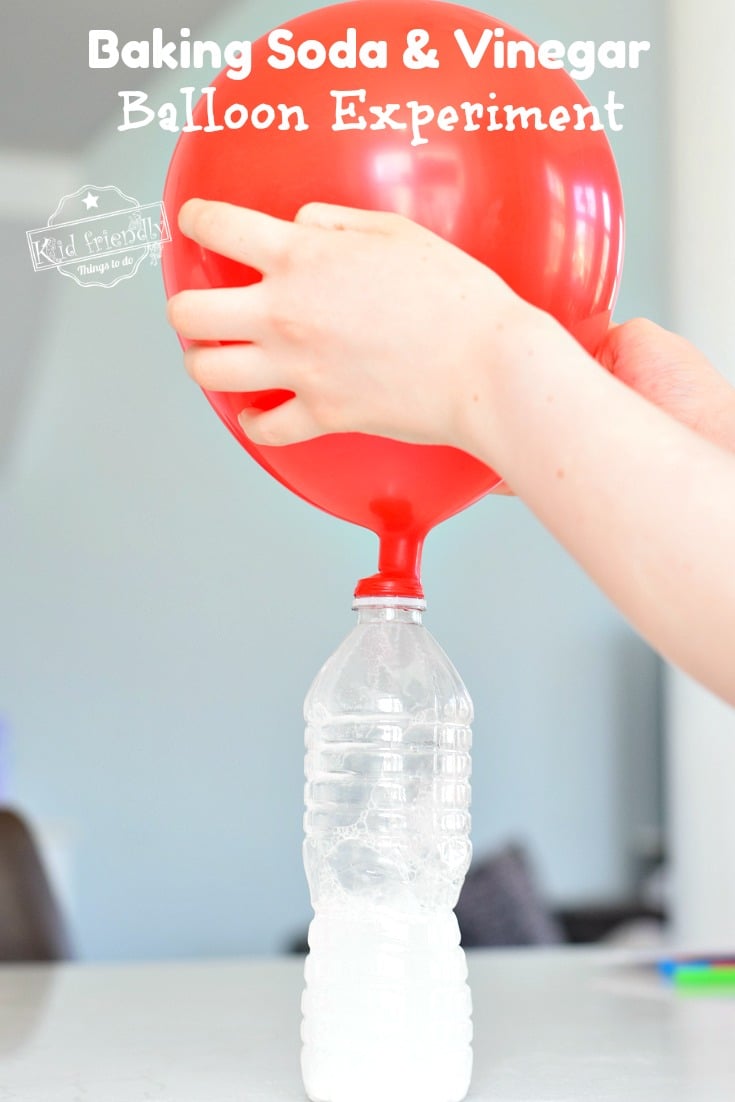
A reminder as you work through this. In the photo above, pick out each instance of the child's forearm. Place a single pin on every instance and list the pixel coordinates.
(643, 503)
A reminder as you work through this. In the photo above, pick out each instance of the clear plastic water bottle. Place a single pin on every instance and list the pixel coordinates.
(386, 1008)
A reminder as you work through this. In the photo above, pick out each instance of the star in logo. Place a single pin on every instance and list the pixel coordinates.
(90, 200)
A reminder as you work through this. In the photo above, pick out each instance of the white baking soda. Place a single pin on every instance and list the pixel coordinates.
(387, 1009)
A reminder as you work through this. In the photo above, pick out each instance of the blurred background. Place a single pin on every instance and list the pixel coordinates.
(164, 604)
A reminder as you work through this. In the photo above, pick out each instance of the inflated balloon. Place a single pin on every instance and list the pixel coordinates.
(542, 207)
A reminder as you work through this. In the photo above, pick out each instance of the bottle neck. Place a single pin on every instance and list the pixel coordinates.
(386, 610)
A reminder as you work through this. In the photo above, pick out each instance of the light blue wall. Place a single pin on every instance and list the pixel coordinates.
(164, 605)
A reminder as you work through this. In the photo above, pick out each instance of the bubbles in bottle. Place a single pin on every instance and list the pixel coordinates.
(387, 1010)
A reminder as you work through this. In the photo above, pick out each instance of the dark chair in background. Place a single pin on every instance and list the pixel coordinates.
(31, 925)
(501, 906)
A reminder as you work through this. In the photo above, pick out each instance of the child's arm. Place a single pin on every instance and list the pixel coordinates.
(645, 504)
(379, 326)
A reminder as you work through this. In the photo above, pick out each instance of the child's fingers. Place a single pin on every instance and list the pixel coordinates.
(289, 423)
(233, 367)
(330, 216)
(248, 236)
(221, 314)
(503, 490)
(636, 348)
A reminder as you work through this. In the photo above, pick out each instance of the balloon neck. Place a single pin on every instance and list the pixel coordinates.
(399, 569)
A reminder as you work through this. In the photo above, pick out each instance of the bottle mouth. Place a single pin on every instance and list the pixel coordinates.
(417, 604)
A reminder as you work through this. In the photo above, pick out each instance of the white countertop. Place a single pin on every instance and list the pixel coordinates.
(550, 1026)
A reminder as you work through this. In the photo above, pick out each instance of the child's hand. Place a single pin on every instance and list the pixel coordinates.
(379, 326)
(674, 375)
(376, 324)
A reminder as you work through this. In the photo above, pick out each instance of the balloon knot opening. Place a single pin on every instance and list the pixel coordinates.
(399, 567)
(383, 585)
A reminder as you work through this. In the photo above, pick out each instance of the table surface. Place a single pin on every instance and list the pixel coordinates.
(550, 1026)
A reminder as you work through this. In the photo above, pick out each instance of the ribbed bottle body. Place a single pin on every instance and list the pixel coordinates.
(386, 1006)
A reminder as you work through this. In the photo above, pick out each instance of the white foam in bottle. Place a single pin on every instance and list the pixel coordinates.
(387, 1009)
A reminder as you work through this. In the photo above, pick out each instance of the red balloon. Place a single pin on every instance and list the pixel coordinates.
(542, 207)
